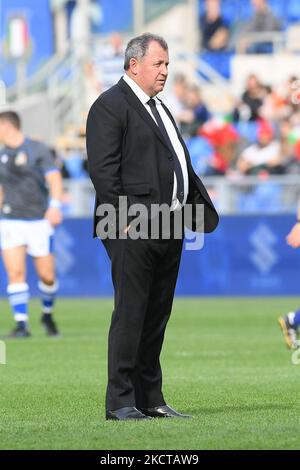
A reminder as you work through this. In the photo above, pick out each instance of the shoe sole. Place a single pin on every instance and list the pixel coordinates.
(286, 335)
(15, 337)
(168, 416)
(109, 418)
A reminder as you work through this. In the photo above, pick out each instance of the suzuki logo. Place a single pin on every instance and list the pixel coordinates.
(64, 251)
(263, 255)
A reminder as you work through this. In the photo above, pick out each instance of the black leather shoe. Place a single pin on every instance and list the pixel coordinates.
(129, 412)
(163, 411)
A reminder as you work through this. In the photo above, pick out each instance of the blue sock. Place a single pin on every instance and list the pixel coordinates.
(18, 296)
(296, 322)
(48, 295)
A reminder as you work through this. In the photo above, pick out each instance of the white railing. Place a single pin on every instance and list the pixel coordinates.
(238, 195)
(246, 39)
(201, 67)
(60, 83)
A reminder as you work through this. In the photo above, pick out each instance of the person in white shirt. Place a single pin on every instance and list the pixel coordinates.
(264, 155)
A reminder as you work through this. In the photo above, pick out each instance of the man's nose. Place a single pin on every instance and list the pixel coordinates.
(164, 70)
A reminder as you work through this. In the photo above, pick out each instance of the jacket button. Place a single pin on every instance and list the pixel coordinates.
(170, 158)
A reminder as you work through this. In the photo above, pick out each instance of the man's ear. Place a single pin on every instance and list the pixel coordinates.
(133, 65)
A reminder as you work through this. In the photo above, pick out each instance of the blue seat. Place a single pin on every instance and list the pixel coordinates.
(201, 153)
(248, 130)
(220, 61)
(236, 11)
(279, 8)
(232, 10)
(74, 166)
(293, 10)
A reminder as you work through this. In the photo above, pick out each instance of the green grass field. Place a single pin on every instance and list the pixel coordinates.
(224, 362)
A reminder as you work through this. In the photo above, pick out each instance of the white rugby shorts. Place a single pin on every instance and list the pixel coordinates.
(36, 235)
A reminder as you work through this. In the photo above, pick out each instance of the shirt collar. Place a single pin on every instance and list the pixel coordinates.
(142, 96)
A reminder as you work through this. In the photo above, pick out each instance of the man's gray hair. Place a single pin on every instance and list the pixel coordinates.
(137, 47)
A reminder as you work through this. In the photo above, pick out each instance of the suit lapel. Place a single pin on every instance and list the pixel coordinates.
(133, 100)
(140, 108)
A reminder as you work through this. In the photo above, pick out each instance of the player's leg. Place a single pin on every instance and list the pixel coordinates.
(296, 320)
(45, 268)
(40, 247)
(14, 260)
(289, 325)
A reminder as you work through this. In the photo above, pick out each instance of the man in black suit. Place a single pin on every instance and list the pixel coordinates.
(135, 150)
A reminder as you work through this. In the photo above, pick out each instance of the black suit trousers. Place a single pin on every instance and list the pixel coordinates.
(144, 274)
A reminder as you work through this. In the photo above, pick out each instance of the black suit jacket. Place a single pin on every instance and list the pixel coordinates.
(127, 155)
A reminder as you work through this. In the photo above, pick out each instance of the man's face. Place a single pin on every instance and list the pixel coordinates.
(213, 7)
(151, 71)
(258, 4)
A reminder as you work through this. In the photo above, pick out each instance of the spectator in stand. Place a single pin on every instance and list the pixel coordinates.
(270, 109)
(107, 65)
(290, 91)
(264, 156)
(286, 142)
(251, 102)
(263, 21)
(105, 69)
(195, 115)
(290, 146)
(223, 138)
(214, 29)
(176, 101)
(93, 86)
(111, 61)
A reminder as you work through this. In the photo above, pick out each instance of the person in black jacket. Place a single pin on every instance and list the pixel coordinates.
(135, 150)
(214, 29)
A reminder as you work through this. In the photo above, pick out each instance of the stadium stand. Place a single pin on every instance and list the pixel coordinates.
(64, 85)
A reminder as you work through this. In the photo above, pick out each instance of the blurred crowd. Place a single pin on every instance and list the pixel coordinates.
(219, 33)
(261, 134)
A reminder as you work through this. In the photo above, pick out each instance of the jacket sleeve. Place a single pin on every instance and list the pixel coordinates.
(104, 143)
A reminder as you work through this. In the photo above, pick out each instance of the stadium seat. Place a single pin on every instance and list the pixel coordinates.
(74, 166)
(201, 152)
(232, 10)
(293, 11)
(220, 61)
(279, 8)
(248, 130)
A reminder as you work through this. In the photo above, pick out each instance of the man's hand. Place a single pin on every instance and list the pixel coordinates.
(54, 215)
(126, 229)
(293, 238)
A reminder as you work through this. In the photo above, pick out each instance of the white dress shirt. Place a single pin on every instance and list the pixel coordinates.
(144, 98)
